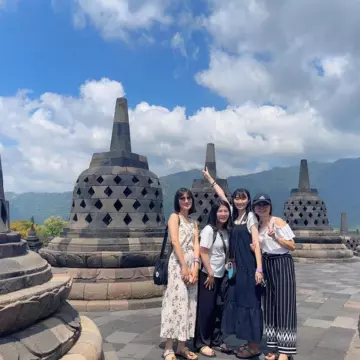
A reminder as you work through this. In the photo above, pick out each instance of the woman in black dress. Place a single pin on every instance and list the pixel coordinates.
(242, 314)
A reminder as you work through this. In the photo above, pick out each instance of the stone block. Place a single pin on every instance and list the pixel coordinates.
(95, 291)
(119, 291)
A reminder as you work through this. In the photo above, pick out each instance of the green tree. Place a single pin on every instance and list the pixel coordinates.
(53, 226)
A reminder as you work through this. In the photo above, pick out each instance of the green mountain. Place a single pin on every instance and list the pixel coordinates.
(337, 184)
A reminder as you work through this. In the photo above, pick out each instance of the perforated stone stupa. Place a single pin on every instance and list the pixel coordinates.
(36, 322)
(204, 194)
(306, 213)
(116, 225)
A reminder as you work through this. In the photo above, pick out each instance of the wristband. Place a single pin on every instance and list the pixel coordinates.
(259, 270)
(197, 260)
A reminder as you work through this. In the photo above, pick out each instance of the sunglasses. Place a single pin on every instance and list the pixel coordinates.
(262, 204)
(184, 198)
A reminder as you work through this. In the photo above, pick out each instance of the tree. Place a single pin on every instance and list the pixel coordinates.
(53, 226)
(23, 227)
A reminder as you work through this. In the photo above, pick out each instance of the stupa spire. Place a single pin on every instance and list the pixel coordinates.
(120, 139)
(3, 205)
(304, 181)
(2, 193)
(210, 160)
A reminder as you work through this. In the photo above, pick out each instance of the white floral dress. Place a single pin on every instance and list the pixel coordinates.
(178, 314)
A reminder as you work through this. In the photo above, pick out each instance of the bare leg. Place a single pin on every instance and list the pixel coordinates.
(169, 352)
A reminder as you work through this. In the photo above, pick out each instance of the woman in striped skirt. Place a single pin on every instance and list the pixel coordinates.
(276, 241)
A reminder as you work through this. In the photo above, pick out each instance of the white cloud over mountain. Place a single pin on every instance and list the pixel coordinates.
(302, 56)
(54, 136)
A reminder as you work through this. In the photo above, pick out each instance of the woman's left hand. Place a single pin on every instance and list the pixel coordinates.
(258, 277)
(194, 274)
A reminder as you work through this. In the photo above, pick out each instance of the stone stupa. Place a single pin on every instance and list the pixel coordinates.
(36, 320)
(306, 213)
(203, 193)
(33, 240)
(115, 230)
(350, 238)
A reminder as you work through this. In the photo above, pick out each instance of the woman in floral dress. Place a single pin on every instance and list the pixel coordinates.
(178, 315)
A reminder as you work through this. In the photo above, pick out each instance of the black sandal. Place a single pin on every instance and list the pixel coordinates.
(223, 348)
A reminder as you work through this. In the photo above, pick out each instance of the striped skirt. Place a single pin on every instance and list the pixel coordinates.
(280, 303)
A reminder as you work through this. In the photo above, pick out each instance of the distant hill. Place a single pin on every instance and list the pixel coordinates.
(337, 184)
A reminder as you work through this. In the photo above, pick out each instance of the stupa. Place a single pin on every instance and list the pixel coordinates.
(204, 194)
(33, 240)
(115, 229)
(306, 213)
(36, 320)
(350, 238)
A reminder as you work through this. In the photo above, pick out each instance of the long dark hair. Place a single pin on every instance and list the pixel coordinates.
(179, 193)
(212, 221)
(241, 192)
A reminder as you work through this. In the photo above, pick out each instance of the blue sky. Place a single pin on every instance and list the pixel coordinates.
(264, 82)
(43, 51)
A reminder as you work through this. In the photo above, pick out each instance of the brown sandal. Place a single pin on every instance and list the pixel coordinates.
(246, 353)
(186, 354)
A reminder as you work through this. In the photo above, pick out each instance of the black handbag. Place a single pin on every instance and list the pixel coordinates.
(160, 275)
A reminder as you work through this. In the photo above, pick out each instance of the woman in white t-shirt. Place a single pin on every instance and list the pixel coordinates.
(276, 241)
(242, 313)
(214, 243)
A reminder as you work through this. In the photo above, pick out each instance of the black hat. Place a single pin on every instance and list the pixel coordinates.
(261, 198)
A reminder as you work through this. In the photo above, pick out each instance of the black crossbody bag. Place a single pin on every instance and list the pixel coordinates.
(160, 274)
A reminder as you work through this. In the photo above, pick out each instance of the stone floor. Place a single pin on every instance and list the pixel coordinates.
(328, 311)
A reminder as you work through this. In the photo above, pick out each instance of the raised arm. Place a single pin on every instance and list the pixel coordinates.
(219, 191)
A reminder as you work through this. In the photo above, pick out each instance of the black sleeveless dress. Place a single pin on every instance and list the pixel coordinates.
(242, 314)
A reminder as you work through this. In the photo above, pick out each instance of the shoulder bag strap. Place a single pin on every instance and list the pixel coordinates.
(164, 242)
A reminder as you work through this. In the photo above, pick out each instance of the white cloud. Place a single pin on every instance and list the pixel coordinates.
(56, 135)
(293, 53)
(116, 18)
(178, 43)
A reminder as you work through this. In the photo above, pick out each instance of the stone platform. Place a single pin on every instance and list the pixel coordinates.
(321, 246)
(112, 289)
(328, 311)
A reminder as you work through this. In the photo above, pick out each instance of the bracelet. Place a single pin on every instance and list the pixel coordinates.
(259, 270)
(197, 260)
(213, 184)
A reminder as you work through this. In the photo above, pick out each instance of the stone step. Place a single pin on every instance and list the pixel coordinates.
(22, 272)
(22, 308)
(13, 249)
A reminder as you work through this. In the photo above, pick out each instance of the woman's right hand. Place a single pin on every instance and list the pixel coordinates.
(210, 280)
(185, 274)
(206, 174)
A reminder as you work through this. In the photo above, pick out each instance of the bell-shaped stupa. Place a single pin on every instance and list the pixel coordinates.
(116, 226)
(203, 192)
(36, 320)
(306, 213)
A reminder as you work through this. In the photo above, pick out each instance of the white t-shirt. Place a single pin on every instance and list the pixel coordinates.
(250, 221)
(271, 246)
(216, 253)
